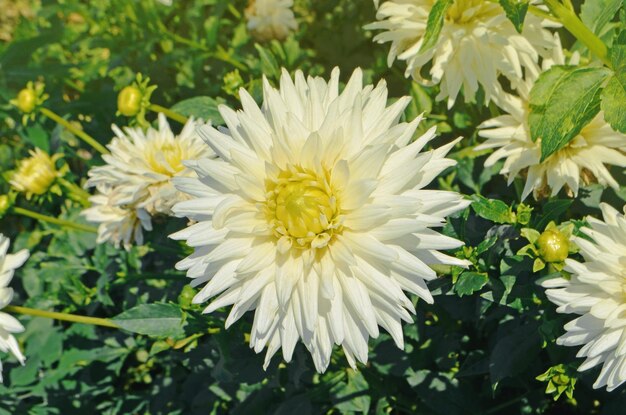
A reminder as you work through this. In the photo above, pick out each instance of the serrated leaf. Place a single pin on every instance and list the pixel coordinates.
(470, 282)
(563, 100)
(202, 107)
(614, 94)
(435, 23)
(515, 10)
(595, 14)
(494, 210)
(157, 319)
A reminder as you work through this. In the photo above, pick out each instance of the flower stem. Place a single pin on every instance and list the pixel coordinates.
(168, 113)
(55, 221)
(577, 28)
(61, 316)
(81, 134)
(75, 192)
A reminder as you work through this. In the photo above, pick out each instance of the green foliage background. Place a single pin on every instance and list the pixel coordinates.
(477, 350)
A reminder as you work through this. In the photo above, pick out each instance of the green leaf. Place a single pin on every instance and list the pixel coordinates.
(552, 211)
(563, 100)
(269, 65)
(435, 23)
(470, 282)
(513, 352)
(494, 210)
(614, 94)
(157, 319)
(202, 107)
(595, 14)
(516, 12)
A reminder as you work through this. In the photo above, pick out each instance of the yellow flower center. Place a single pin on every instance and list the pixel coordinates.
(302, 208)
(166, 158)
(468, 11)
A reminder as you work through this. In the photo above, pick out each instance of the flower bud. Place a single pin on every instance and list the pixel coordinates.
(35, 174)
(129, 101)
(553, 246)
(26, 100)
(5, 204)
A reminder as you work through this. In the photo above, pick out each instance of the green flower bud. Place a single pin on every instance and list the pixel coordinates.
(129, 101)
(5, 204)
(553, 246)
(26, 100)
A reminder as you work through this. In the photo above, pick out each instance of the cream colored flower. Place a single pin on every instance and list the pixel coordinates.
(271, 19)
(8, 323)
(35, 174)
(595, 290)
(584, 159)
(477, 44)
(136, 181)
(316, 216)
(118, 224)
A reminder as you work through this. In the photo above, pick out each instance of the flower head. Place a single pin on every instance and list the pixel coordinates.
(315, 215)
(271, 19)
(136, 181)
(596, 291)
(583, 159)
(8, 323)
(476, 45)
(35, 174)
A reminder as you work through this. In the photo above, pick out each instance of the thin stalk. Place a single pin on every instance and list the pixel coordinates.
(55, 221)
(542, 13)
(79, 133)
(168, 113)
(61, 316)
(81, 195)
(577, 28)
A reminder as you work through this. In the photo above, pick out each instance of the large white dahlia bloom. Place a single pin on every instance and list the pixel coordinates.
(136, 181)
(316, 216)
(476, 45)
(9, 324)
(595, 291)
(271, 19)
(584, 159)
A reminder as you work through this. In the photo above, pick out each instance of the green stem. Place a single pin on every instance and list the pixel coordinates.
(80, 194)
(61, 316)
(80, 133)
(542, 13)
(168, 113)
(55, 221)
(577, 28)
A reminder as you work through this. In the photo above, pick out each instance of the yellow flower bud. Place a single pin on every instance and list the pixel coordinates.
(26, 100)
(553, 246)
(129, 101)
(5, 204)
(35, 174)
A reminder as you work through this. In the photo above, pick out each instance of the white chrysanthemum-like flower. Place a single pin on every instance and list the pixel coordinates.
(136, 180)
(476, 45)
(582, 160)
(316, 216)
(8, 323)
(596, 290)
(118, 224)
(271, 19)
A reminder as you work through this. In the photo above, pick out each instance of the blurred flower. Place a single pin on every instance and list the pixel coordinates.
(35, 174)
(8, 323)
(165, 2)
(476, 45)
(270, 19)
(595, 290)
(582, 159)
(12, 12)
(315, 215)
(119, 224)
(137, 177)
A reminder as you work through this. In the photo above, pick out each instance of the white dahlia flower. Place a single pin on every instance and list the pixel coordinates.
(582, 160)
(316, 216)
(118, 224)
(271, 19)
(595, 290)
(9, 324)
(136, 181)
(476, 45)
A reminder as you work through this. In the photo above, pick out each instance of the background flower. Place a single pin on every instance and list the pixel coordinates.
(315, 215)
(595, 290)
(271, 19)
